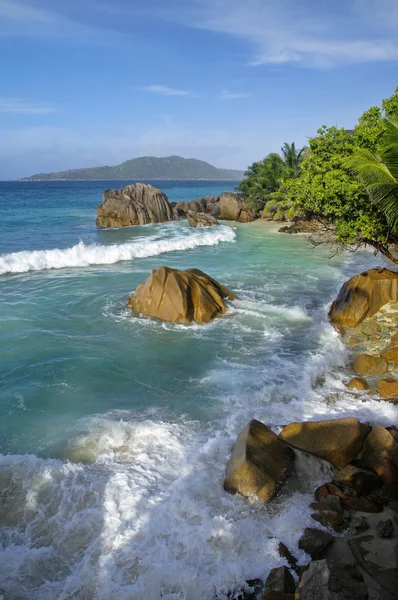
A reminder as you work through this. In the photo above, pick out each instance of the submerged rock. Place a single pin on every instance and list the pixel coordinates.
(180, 296)
(234, 208)
(338, 441)
(137, 204)
(363, 295)
(259, 464)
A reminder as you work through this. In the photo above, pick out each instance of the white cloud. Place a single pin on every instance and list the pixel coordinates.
(227, 95)
(20, 107)
(308, 33)
(164, 90)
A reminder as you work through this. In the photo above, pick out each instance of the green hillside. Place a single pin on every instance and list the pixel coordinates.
(146, 167)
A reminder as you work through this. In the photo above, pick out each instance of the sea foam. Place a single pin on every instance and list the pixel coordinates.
(81, 255)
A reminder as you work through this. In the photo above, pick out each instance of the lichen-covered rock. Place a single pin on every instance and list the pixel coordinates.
(330, 580)
(357, 383)
(259, 463)
(363, 295)
(368, 364)
(234, 208)
(338, 441)
(197, 219)
(180, 296)
(388, 387)
(137, 204)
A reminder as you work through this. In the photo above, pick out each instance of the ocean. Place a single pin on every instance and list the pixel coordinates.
(115, 429)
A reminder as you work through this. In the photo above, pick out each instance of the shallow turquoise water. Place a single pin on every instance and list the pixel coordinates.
(126, 423)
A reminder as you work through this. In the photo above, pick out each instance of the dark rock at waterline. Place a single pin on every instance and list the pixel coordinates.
(259, 464)
(180, 296)
(338, 441)
(137, 204)
(331, 520)
(358, 525)
(361, 480)
(273, 595)
(385, 529)
(280, 580)
(284, 552)
(349, 498)
(330, 580)
(196, 219)
(363, 295)
(380, 453)
(314, 542)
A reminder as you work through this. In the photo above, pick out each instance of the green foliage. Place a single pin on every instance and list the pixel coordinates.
(327, 188)
(266, 177)
(378, 172)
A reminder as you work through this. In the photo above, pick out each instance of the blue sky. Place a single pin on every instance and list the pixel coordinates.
(92, 82)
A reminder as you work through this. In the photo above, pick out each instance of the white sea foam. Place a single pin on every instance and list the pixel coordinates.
(84, 256)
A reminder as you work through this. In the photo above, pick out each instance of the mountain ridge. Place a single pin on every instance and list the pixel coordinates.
(147, 168)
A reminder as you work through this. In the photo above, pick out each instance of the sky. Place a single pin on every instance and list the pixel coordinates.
(96, 82)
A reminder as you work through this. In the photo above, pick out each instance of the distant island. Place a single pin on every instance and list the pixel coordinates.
(146, 167)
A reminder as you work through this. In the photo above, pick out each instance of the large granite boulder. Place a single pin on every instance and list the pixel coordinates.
(369, 364)
(330, 580)
(208, 205)
(259, 464)
(199, 219)
(136, 204)
(363, 295)
(338, 441)
(234, 208)
(180, 296)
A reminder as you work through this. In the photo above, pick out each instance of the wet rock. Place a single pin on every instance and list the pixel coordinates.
(363, 295)
(369, 327)
(329, 580)
(284, 552)
(391, 353)
(234, 208)
(328, 503)
(388, 387)
(338, 441)
(196, 219)
(376, 557)
(259, 464)
(180, 296)
(349, 498)
(368, 364)
(357, 383)
(358, 525)
(137, 204)
(330, 520)
(277, 596)
(280, 580)
(314, 542)
(385, 529)
(361, 480)
(380, 454)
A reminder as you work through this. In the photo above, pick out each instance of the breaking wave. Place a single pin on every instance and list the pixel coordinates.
(81, 255)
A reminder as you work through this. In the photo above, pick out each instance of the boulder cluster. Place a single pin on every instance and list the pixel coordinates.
(140, 204)
(352, 547)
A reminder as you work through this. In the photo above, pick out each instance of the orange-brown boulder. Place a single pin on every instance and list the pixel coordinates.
(363, 295)
(368, 364)
(338, 441)
(137, 204)
(180, 296)
(380, 453)
(391, 353)
(357, 383)
(234, 208)
(388, 387)
(259, 463)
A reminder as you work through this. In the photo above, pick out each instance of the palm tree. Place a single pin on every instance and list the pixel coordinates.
(379, 173)
(292, 158)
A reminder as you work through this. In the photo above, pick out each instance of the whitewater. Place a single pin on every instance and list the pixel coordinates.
(116, 429)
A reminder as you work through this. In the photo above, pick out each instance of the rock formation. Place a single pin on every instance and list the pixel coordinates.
(180, 296)
(234, 208)
(363, 295)
(338, 441)
(199, 219)
(137, 204)
(259, 463)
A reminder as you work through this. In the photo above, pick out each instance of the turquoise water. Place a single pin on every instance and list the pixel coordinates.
(116, 429)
